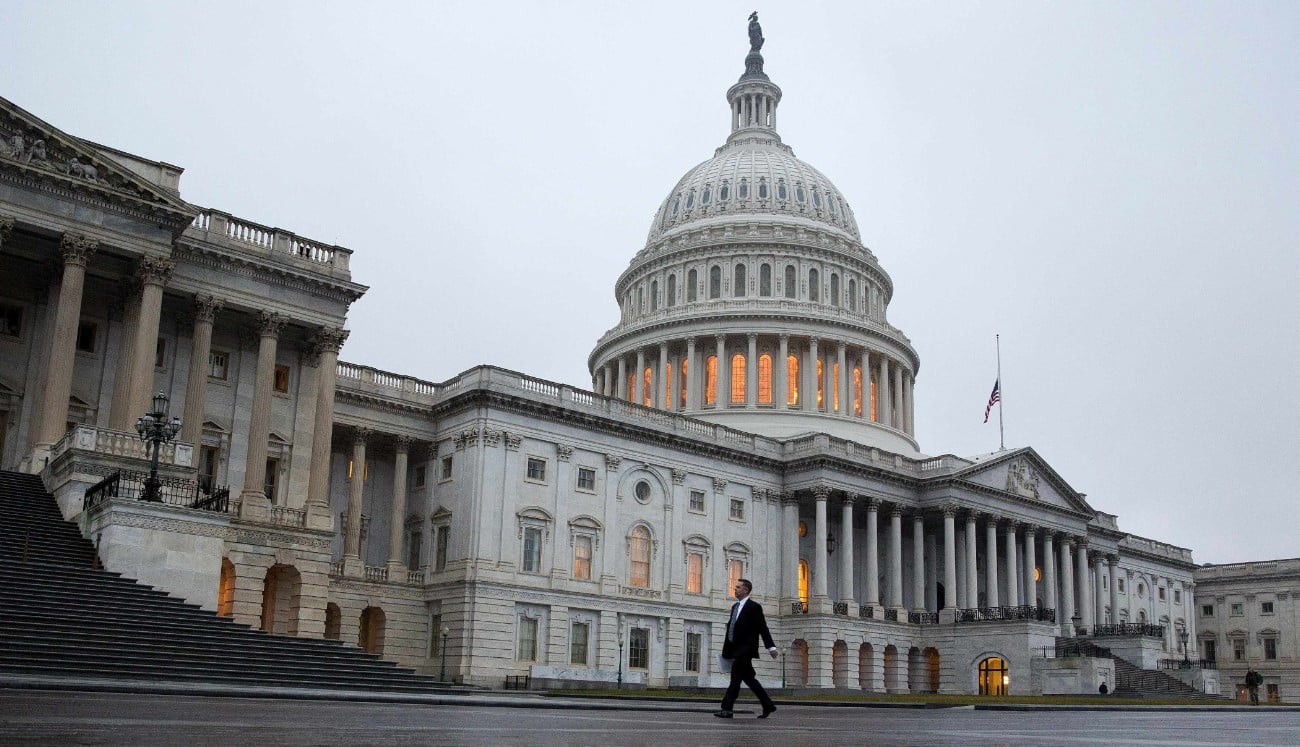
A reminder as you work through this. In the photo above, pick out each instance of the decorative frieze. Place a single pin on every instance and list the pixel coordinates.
(513, 440)
(491, 438)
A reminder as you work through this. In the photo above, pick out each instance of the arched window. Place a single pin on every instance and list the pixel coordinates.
(724, 192)
(805, 579)
(765, 279)
(690, 200)
(799, 193)
(762, 188)
(692, 281)
(639, 551)
(791, 282)
(654, 295)
(792, 380)
(743, 190)
(765, 379)
(857, 391)
(738, 284)
(874, 417)
(781, 193)
(707, 196)
(994, 677)
(677, 205)
(853, 295)
(835, 387)
(668, 384)
(715, 282)
(738, 378)
(835, 289)
(821, 385)
(711, 380)
(631, 387)
(672, 290)
(814, 286)
(682, 386)
(817, 197)
(647, 387)
(640, 299)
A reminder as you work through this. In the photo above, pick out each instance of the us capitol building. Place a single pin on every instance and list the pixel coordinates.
(751, 414)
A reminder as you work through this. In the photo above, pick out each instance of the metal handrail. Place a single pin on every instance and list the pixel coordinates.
(173, 491)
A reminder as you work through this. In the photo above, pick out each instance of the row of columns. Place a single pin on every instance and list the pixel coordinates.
(753, 110)
(352, 562)
(894, 382)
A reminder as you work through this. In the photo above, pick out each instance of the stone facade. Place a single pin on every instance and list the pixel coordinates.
(1247, 617)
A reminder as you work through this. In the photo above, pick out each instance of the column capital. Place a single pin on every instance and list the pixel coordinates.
(720, 339)
(813, 340)
(896, 511)
(1112, 558)
(563, 452)
(207, 307)
(788, 498)
(821, 492)
(848, 499)
(1010, 525)
(974, 515)
(752, 337)
(269, 323)
(950, 510)
(361, 435)
(402, 444)
(784, 337)
(77, 249)
(679, 476)
(155, 271)
(328, 339)
(6, 228)
(873, 503)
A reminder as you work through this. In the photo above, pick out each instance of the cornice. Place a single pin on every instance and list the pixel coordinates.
(974, 487)
(276, 274)
(66, 188)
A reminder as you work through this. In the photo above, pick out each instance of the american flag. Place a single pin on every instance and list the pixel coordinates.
(994, 398)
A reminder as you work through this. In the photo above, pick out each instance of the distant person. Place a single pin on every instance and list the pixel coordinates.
(746, 626)
(1103, 689)
(1253, 681)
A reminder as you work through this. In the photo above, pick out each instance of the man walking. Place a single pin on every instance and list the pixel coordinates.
(745, 627)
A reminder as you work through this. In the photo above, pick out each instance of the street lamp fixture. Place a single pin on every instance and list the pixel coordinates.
(620, 657)
(1181, 628)
(442, 676)
(830, 543)
(155, 429)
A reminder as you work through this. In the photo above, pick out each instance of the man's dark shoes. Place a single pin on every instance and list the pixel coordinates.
(767, 712)
(723, 714)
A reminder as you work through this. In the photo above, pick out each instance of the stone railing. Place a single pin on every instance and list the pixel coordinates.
(1158, 549)
(798, 608)
(415, 577)
(1129, 629)
(1289, 567)
(288, 517)
(122, 445)
(350, 372)
(336, 568)
(376, 573)
(891, 614)
(211, 224)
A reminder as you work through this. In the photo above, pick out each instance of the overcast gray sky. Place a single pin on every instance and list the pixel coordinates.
(1112, 187)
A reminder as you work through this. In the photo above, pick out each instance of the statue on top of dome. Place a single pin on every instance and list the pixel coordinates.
(755, 33)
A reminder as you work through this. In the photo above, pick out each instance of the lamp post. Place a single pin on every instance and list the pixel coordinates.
(1181, 628)
(620, 657)
(782, 670)
(442, 676)
(155, 429)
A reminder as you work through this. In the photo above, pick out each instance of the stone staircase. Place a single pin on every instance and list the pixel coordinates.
(61, 617)
(1130, 679)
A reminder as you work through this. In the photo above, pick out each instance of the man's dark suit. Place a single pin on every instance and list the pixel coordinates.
(742, 649)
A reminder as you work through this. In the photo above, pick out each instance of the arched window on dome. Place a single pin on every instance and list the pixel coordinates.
(654, 295)
(781, 192)
(799, 195)
(765, 280)
(724, 192)
(738, 285)
(821, 385)
(711, 380)
(792, 380)
(677, 206)
(692, 282)
(690, 200)
(668, 384)
(743, 190)
(631, 387)
(682, 385)
(853, 294)
(707, 195)
(791, 282)
(715, 282)
(762, 188)
(857, 391)
(765, 379)
(817, 197)
(874, 417)
(835, 289)
(647, 387)
(814, 286)
(835, 387)
(835, 206)
(640, 299)
(672, 290)
(738, 379)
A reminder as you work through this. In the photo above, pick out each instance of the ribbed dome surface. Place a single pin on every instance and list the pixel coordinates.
(754, 176)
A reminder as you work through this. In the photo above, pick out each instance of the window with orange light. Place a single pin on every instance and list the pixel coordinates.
(738, 378)
(792, 380)
(765, 379)
(711, 380)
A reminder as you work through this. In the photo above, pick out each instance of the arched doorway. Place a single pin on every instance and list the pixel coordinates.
(333, 621)
(798, 672)
(370, 632)
(932, 669)
(893, 670)
(916, 674)
(226, 589)
(840, 664)
(994, 676)
(281, 594)
(866, 666)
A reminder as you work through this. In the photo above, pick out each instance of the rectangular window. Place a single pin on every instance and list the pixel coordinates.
(272, 478)
(1119, 584)
(527, 639)
(86, 334)
(1178, 596)
(1207, 610)
(579, 633)
(1265, 608)
(413, 542)
(697, 501)
(693, 652)
(417, 479)
(11, 320)
(440, 555)
(1207, 648)
(1239, 649)
(638, 649)
(160, 353)
(445, 474)
(1270, 649)
(582, 557)
(536, 469)
(735, 572)
(532, 561)
(208, 456)
(1237, 609)
(694, 573)
(282, 379)
(737, 509)
(1160, 593)
(435, 635)
(218, 365)
(586, 478)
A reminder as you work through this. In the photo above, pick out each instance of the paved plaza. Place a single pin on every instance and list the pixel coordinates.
(72, 718)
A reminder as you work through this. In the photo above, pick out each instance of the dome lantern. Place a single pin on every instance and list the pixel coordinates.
(754, 98)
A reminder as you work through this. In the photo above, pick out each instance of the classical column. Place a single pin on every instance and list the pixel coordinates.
(961, 600)
(909, 415)
(1031, 565)
(846, 551)
(1081, 580)
(723, 378)
(991, 561)
(1098, 593)
(873, 552)
(324, 354)
(782, 394)
(950, 596)
(77, 251)
(1013, 575)
(828, 384)
(790, 547)
(620, 387)
(638, 377)
(1049, 570)
(918, 562)
(896, 557)
(820, 595)
(972, 567)
(1189, 613)
(352, 565)
(898, 397)
(1066, 618)
(196, 386)
(662, 394)
(751, 372)
(932, 572)
(397, 523)
(883, 408)
(253, 502)
(846, 406)
(120, 416)
(692, 377)
(608, 384)
(1112, 561)
(153, 275)
(809, 394)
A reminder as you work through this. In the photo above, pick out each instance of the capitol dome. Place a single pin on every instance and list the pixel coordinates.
(754, 303)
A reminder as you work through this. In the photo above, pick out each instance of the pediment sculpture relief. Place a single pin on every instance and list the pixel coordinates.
(1022, 479)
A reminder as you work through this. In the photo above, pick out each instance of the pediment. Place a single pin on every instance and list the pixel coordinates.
(1024, 474)
(33, 148)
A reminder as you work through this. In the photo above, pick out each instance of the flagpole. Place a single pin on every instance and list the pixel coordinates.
(1002, 440)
